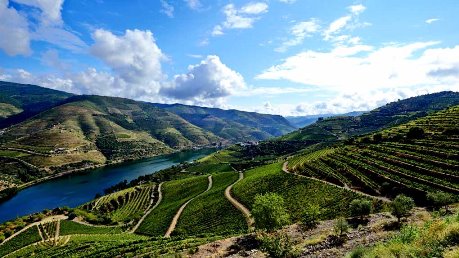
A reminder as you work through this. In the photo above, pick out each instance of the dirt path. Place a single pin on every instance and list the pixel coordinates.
(238, 205)
(45, 220)
(346, 187)
(160, 198)
(179, 212)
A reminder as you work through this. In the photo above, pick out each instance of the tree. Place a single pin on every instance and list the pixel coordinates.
(377, 138)
(341, 227)
(415, 133)
(360, 208)
(311, 216)
(401, 206)
(269, 212)
(440, 199)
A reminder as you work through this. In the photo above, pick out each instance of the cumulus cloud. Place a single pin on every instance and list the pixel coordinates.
(167, 9)
(50, 10)
(240, 18)
(206, 82)
(14, 33)
(134, 56)
(299, 32)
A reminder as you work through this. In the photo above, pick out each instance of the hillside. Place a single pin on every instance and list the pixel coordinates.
(395, 113)
(21, 101)
(413, 158)
(93, 130)
(232, 124)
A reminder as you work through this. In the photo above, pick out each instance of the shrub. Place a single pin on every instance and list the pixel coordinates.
(269, 212)
(311, 216)
(276, 245)
(377, 138)
(360, 208)
(401, 206)
(358, 252)
(341, 227)
(440, 199)
(407, 234)
(415, 133)
(452, 235)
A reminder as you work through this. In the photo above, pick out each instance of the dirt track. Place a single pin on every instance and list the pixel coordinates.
(238, 205)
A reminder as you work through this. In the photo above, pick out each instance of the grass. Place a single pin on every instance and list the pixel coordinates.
(212, 213)
(71, 228)
(298, 193)
(26, 238)
(12, 154)
(175, 193)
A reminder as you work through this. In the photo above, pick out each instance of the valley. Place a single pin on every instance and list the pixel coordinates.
(337, 187)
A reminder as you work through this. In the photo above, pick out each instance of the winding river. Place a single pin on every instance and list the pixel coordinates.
(74, 190)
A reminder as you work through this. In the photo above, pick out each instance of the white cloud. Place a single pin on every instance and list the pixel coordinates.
(167, 9)
(357, 9)
(50, 10)
(345, 23)
(242, 18)
(51, 58)
(134, 56)
(14, 33)
(364, 67)
(194, 4)
(43, 23)
(299, 32)
(430, 21)
(287, 1)
(205, 83)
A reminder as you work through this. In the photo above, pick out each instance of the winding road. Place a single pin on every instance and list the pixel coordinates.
(238, 205)
(179, 212)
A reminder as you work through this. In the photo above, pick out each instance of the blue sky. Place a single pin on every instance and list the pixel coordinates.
(279, 56)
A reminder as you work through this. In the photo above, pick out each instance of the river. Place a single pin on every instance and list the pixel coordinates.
(74, 190)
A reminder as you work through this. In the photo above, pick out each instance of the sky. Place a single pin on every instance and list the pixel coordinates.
(287, 57)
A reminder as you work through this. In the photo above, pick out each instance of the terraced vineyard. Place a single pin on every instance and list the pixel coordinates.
(25, 238)
(71, 228)
(48, 229)
(125, 205)
(212, 213)
(297, 192)
(175, 194)
(396, 163)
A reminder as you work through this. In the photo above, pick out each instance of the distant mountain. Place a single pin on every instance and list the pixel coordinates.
(21, 101)
(395, 113)
(302, 121)
(232, 124)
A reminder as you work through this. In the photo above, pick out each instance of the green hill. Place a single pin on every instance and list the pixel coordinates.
(21, 101)
(92, 130)
(232, 124)
(415, 158)
(395, 113)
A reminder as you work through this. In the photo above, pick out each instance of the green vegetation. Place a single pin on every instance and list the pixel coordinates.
(277, 245)
(432, 239)
(70, 228)
(232, 124)
(123, 206)
(175, 194)
(26, 238)
(440, 199)
(212, 213)
(269, 212)
(332, 200)
(402, 206)
(360, 208)
(341, 227)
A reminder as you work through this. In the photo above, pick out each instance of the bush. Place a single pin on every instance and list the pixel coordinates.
(452, 235)
(276, 245)
(407, 234)
(269, 212)
(360, 208)
(359, 252)
(310, 217)
(401, 206)
(341, 227)
(440, 199)
(415, 133)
